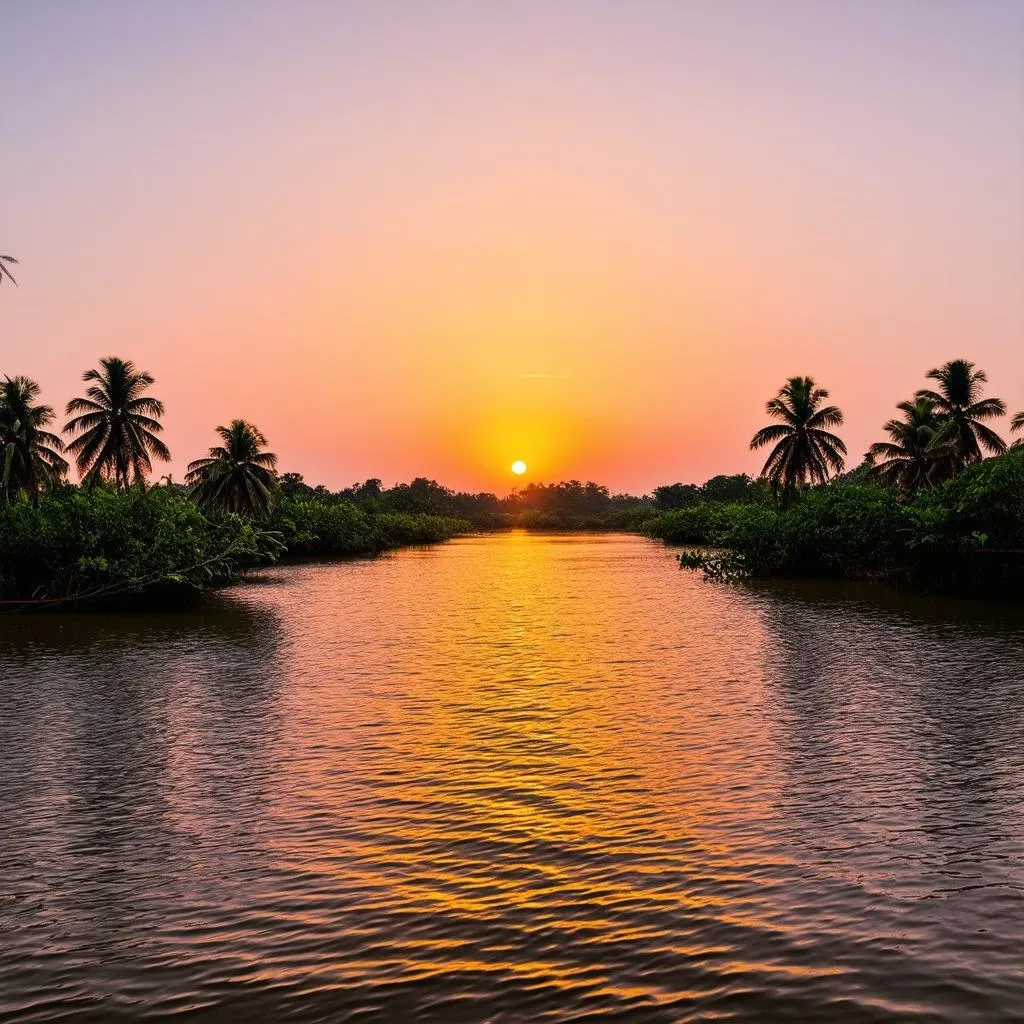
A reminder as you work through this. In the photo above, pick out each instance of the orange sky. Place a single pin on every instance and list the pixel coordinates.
(431, 238)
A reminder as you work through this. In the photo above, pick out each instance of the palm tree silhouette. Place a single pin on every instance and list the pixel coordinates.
(116, 426)
(237, 476)
(5, 271)
(919, 455)
(959, 405)
(30, 456)
(804, 450)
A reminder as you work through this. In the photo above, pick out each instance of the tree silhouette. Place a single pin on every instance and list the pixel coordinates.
(918, 454)
(116, 426)
(238, 475)
(30, 456)
(1018, 424)
(959, 405)
(804, 450)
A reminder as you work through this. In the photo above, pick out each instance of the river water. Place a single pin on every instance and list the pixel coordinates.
(515, 778)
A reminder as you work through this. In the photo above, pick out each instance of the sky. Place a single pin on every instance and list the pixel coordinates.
(432, 238)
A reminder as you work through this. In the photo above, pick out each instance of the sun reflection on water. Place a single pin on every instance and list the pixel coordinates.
(547, 773)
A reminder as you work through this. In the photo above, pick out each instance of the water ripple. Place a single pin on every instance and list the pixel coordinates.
(515, 778)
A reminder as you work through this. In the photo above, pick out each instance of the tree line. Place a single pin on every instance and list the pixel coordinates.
(113, 436)
(938, 505)
(943, 429)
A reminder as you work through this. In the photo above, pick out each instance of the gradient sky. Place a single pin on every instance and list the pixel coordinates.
(429, 238)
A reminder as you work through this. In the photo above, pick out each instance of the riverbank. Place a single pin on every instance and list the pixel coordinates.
(966, 536)
(79, 548)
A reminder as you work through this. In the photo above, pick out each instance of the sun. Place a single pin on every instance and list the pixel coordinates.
(519, 467)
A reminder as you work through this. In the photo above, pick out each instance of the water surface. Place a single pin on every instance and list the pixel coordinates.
(515, 778)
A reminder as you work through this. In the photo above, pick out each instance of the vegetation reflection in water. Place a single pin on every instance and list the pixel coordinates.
(516, 777)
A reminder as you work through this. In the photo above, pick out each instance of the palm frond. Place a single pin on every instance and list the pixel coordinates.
(989, 440)
(986, 409)
(830, 416)
(769, 435)
(5, 271)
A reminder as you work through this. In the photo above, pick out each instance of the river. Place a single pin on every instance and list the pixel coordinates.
(518, 777)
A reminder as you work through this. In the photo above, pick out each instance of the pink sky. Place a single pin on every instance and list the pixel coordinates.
(431, 238)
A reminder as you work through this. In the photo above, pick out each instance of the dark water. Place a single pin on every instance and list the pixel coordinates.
(518, 778)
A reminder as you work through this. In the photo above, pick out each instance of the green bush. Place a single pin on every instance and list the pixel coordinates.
(706, 523)
(310, 527)
(846, 530)
(967, 534)
(82, 546)
(986, 501)
(79, 545)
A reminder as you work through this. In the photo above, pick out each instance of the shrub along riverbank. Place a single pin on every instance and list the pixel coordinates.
(81, 548)
(84, 548)
(310, 528)
(966, 535)
(570, 505)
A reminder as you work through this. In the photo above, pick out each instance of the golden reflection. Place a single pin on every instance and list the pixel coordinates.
(565, 705)
(534, 771)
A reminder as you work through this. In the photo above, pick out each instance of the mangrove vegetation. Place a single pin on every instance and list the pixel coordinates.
(113, 537)
(940, 504)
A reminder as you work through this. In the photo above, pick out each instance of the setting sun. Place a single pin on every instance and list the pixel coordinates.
(519, 467)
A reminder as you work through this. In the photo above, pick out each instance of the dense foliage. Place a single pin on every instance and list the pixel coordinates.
(84, 546)
(310, 527)
(738, 488)
(967, 533)
(570, 505)
(80, 545)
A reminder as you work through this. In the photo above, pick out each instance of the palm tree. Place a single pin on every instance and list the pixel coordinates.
(959, 405)
(804, 450)
(919, 454)
(5, 271)
(29, 455)
(116, 426)
(237, 476)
